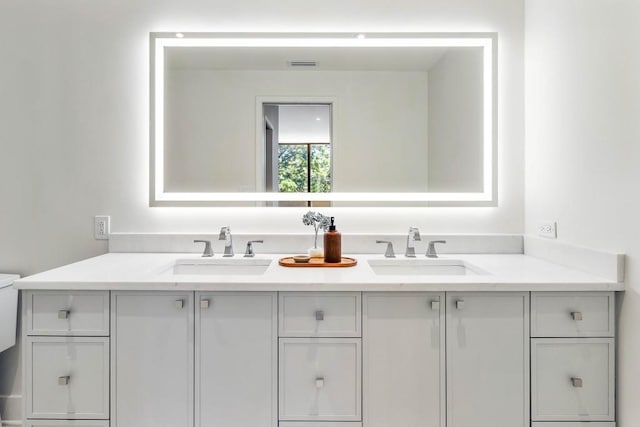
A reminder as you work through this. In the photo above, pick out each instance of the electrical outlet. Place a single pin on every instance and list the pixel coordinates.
(548, 230)
(101, 226)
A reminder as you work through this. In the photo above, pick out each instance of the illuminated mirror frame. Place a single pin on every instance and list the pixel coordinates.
(159, 41)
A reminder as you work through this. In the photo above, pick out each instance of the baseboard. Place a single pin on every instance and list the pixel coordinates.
(11, 410)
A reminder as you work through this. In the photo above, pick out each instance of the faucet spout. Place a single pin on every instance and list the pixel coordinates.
(225, 234)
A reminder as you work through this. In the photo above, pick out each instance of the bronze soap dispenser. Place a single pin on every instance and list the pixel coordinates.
(332, 244)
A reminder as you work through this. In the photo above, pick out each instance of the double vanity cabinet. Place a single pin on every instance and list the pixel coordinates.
(274, 358)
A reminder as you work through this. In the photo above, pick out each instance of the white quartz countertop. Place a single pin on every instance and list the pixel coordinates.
(154, 271)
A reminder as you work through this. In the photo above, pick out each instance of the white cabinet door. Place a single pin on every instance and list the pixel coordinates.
(487, 359)
(320, 314)
(236, 359)
(403, 360)
(67, 313)
(573, 379)
(320, 379)
(66, 423)
(572, 314)
(67, 377)
(152, 359)
(319, 424)
(573, 424)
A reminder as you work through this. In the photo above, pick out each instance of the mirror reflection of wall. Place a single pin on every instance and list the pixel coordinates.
(209, 133)
(456, 122)
(401, 120)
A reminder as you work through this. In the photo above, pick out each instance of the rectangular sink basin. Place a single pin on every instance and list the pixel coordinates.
(221, 266)
(423, 267)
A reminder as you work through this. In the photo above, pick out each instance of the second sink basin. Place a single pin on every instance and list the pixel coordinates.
(216, 266)
(417, 266)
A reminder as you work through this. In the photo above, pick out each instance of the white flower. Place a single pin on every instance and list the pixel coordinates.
(318, 221)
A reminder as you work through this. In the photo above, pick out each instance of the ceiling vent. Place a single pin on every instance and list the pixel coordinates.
(303, 64)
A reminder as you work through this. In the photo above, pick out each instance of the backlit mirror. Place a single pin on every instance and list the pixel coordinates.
(322, 119)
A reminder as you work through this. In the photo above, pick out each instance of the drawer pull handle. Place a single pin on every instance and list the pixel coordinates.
(435, 305)
(576, 382)
(204, 303)
(64, 380)
(179, 304)
(63, 314)
(576, 315)
(460, 304)
(319, 315)
(319, 382)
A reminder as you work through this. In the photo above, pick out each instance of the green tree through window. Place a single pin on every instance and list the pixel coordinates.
(294, 174)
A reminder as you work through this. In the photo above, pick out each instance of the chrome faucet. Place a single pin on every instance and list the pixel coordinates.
(431, 249)
(208, 252)
(249, 252)
(389, 252)
(412, 237)
(225, 234)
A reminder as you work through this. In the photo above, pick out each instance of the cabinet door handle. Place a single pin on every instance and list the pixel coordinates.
(435, 305)
(460, 304)
(319, 315)
(179, 304)
(576, 382)
(64, 380)
(204, 303)
(576, 315)
(319, 382)
(63, 314)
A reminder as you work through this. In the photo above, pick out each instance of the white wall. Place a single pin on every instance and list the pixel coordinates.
(74, 117)
(583, 144)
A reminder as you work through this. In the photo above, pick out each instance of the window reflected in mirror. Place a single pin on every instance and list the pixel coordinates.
(298, 149)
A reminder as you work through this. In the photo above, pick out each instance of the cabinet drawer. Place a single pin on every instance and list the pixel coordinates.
(576, 424)
(67, 313)
(66, 423)
(572, 379)
(320, 379)
(68, 378)
(326, 314)
(574, 314)
(319, 424)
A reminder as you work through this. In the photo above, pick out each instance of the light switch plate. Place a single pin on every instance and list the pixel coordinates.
(101, 227)
(548, 229)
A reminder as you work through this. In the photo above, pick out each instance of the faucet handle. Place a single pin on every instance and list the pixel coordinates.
(389, 252)
(249, 253)
(208, 252)
(431, 249)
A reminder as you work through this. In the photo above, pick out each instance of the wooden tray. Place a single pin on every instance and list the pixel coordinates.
(317, 262)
